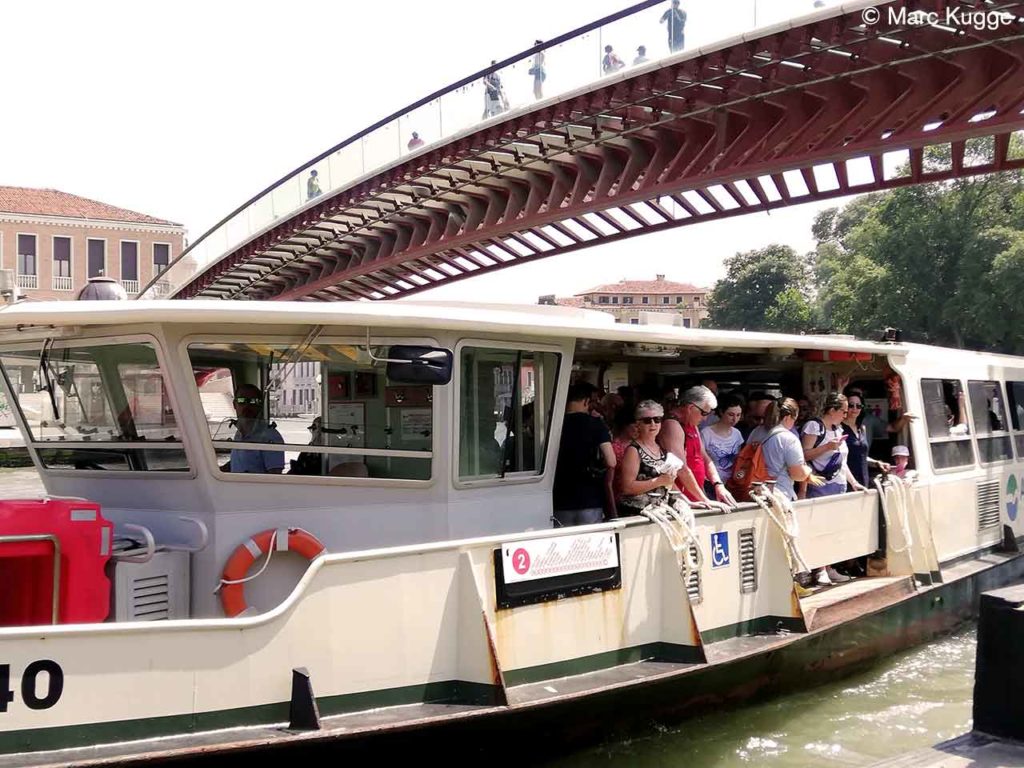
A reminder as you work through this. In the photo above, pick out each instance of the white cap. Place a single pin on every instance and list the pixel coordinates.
(900, 450)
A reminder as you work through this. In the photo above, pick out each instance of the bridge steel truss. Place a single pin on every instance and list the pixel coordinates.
(786, 118)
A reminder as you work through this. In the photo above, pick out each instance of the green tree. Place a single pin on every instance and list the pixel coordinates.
(941, 261)
(763, 289)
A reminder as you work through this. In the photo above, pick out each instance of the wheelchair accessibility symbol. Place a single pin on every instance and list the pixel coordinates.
(719, 549)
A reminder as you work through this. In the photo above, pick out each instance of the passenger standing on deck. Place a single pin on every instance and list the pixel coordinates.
(676, 19)
(641, 472)
(611, 62)
(722, 440)
(752, 419)
(538, 71)
(679, 435)
(583, 476)
(857, 440)
(253, 428)
(783, 455)
(415, 142)
(641, 55)
(826, 449)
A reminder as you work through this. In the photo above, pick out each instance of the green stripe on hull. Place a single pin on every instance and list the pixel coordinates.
(447, 692)
(765, 625)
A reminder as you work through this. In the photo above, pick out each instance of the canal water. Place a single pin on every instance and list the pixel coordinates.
(909, 701)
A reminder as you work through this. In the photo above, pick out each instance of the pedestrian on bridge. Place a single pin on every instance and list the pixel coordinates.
(495, 101)
(676, 19)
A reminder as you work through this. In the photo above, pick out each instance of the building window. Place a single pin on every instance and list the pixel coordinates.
(634, 321)
(602, 299)
(696, 301)
(615, 299)
(27, 255)
(686, 322)
(129, 260)
(61, 263)
(627, 299)
(96, 257)
(679, 299)
(646, 300)
(161, 257)
(26, 273)
(666, 299)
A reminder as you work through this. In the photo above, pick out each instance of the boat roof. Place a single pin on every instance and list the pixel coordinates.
(519, 319)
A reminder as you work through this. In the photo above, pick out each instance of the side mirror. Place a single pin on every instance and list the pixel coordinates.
(419, 365)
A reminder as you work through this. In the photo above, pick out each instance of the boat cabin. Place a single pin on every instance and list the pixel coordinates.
(383, 425)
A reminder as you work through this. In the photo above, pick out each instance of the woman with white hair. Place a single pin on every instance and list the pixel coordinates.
(680, 434)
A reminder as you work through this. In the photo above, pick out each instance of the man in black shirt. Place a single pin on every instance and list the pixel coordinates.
(582, 489)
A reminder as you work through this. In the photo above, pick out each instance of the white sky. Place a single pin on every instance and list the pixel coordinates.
(186, 109)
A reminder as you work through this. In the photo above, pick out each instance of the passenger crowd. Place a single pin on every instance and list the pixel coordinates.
(622, 450)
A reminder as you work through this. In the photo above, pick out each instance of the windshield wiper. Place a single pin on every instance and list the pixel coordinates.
(47, 379)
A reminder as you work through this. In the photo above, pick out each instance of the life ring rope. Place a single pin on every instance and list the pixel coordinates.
(231, 587)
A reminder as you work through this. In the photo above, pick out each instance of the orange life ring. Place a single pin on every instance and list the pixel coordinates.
(232, 593)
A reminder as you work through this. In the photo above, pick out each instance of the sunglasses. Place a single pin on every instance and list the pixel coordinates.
(855, 406)
(702, 411)
(650, 419)
(248, 401)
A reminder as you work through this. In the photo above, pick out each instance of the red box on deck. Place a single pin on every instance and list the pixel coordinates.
(83, 538)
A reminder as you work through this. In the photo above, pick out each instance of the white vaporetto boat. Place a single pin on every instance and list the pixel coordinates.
(443, 598)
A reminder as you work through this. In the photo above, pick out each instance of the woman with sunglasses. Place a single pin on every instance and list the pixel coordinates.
(857, 440)
(641, 471)
(825, 449)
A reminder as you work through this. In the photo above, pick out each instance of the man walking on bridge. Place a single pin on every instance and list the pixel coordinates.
(676, 18)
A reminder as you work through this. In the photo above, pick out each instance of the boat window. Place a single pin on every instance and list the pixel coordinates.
(100, 401)
(988, 407)
(945, 407)
(1015, 389)
(506, 397)
(322, 409)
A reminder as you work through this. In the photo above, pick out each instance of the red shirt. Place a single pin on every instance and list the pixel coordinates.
(695, 458)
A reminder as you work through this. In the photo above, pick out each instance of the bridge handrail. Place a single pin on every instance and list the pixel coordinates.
(285, 196)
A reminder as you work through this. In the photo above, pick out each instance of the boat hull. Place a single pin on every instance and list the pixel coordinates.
(599, 705)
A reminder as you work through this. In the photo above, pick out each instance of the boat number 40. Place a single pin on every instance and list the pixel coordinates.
(42, 683)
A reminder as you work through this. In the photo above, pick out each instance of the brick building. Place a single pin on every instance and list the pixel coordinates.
(629, 299)
(56, 241)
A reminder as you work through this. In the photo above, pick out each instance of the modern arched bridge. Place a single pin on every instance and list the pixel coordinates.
(842, 101)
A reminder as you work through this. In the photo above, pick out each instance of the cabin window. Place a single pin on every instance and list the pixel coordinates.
(1015, 389)
(95, 405)
(949, 434)
(324, 409)
(505, 402)
(988, 407)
